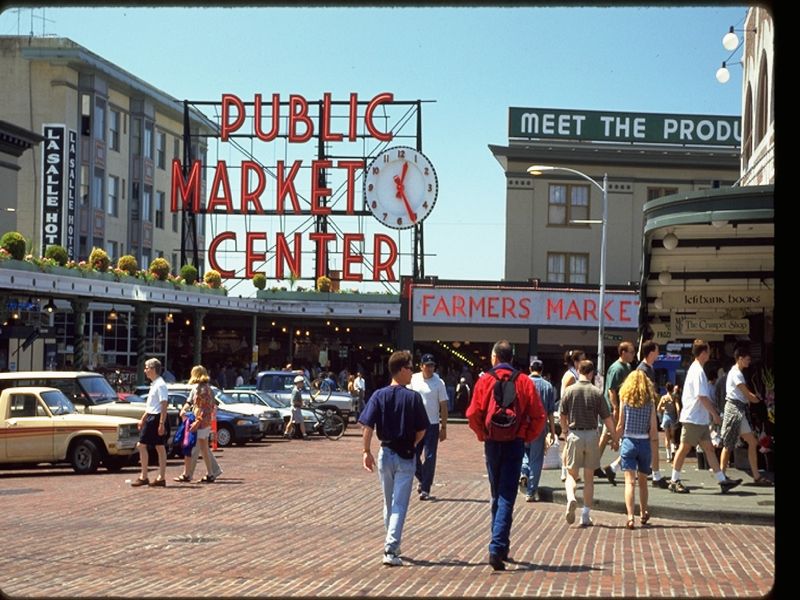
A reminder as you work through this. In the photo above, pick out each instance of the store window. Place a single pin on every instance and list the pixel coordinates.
(568, 203)
(565, 267)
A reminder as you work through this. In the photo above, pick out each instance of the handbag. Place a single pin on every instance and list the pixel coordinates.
(185, 438)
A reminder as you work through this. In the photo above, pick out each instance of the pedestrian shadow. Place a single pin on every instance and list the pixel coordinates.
(448, 562)
(440, 499)
(531, 566)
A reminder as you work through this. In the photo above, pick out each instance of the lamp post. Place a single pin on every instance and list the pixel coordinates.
(601, 318)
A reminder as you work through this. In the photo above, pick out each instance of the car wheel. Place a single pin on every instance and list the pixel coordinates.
(224, 436)
(84, 457)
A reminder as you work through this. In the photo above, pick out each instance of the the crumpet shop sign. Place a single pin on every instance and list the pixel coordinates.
(607, 126)
(523, 307)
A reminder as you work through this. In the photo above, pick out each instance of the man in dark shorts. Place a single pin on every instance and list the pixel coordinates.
(154, 426)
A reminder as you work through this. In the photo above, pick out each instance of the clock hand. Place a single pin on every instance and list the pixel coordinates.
(402, 195)
(403, 174)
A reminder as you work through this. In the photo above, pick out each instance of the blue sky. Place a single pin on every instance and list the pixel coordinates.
(474, 62)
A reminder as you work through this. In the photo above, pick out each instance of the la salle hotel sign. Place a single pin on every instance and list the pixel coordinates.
(523, 307)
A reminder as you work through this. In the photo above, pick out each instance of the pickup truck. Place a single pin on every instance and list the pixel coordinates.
(316, 394)
(41, 425)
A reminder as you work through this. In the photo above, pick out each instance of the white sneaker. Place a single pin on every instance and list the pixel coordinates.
(570, 515)
(392, 560)
(586, 522)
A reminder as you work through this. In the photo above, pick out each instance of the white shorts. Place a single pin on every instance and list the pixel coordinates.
(204, 433)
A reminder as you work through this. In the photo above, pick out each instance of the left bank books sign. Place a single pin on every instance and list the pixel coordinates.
(59, 172)
(523, 307)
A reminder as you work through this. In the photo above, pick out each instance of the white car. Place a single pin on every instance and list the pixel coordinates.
(261, 398)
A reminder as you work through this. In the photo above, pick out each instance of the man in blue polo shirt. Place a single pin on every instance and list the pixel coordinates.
(398, 416)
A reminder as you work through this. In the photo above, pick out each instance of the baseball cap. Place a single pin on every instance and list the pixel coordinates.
(299, 379)
(427, 359)
(536, 364)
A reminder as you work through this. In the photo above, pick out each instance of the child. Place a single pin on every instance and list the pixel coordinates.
(637, 426)
(669, 412)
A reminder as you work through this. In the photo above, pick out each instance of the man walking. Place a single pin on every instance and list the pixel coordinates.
(533, 458)
(154, 426)
(649, 356)
(615, 376)
(398, 416)
(581, 407)
(696, 412)
(434, 395)
(359, 387)
(504, 458)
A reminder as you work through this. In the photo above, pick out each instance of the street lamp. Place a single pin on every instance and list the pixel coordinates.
(601, 318)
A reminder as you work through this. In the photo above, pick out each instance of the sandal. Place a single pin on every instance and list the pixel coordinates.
(629, 524)
(644, 518)
(763, 482)
(182, 478)
(208, 479)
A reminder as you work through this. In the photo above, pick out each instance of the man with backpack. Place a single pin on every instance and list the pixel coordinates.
(505, 413)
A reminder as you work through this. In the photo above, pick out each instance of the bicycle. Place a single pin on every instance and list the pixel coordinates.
(329, 423)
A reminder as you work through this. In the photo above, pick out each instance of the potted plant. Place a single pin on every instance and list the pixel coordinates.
(159, 268)
(260, 281)
(189, 274)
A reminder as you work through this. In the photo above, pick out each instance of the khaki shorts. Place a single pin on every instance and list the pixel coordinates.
(692, 434)
(582, 450)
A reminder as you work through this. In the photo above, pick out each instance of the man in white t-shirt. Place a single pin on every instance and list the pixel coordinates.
(434, 396)
(154, 426)
(698, 410)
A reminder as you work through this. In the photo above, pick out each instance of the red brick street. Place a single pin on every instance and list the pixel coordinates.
(304, 519)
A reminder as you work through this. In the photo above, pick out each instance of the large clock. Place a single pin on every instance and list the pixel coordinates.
(400, 187)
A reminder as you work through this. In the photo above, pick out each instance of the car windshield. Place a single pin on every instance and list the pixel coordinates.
(272, 401)
(98, 389)
(58, 403)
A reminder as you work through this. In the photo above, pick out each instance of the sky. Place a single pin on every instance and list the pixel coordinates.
(474, 62)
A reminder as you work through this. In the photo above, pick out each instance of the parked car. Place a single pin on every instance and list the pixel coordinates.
(281, 383)
(41, 425)
(268, 417)
(259, 398)
(232, 427)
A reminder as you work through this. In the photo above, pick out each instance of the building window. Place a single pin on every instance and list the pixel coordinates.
(747, 127)
(145, 264)
(112, 250)
(83, 247)
(174, 262)
(147, 206)
(762, 101)
(86, 115)
(84, 185)
(175, 222)
(113, 129)
(98, 198)
(161, 150)
(136, 137)
(160, 199)
(134, 208)
(99, 119)
(567, 203)
(112, 208)
(567, 268)
(147, 148)
(660, 192)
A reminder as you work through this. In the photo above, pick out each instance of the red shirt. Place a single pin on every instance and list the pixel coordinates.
(532, 419)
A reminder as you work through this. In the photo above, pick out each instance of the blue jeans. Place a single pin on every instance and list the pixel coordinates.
(396, 475)
(424, 470)
(503, 462)
(532, 462)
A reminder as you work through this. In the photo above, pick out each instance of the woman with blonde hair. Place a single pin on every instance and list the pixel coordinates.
(201, 403)
(636, 427)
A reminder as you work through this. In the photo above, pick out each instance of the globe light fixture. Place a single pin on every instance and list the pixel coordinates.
(670, 241)
(730, 41)
(664, 278)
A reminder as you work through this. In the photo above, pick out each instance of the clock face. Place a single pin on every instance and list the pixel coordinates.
(400, 187)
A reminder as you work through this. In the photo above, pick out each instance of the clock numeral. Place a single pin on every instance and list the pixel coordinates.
(386, 158)
(401, 154)
(399, 220)
(375, 170)
(424, 205)
(385, 216)
(370, 187)
(374, 204)
(427, 171)
(415, 158)
(430, 187)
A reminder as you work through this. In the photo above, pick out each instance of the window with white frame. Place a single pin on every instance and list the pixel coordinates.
(161, 150)
(114, 121)
(112, 249)
(112, 206)
(147, 148)
(147, 205)
(160, 200)
(567, 203)
(98, 199)
(99, 119)
(565, 267)
(136, 136)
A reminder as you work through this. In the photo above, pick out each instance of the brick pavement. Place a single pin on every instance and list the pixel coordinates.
(303, 519)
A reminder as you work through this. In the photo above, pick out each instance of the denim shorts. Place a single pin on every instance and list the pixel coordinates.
(635, 455)
(667, 421)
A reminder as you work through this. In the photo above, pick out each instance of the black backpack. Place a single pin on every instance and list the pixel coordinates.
(503, 414)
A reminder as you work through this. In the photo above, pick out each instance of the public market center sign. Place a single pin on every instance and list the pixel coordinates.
(607, 126)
